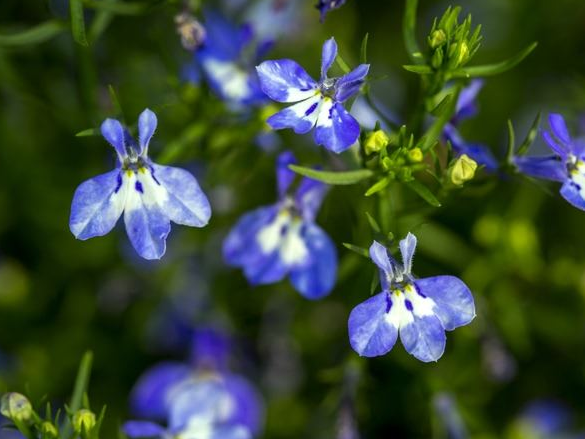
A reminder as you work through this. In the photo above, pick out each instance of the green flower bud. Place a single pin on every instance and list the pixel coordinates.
(376, 141)
(437, 38)
(48, 430)
(16, 407)
(437, 58)
(83, 420)
(462, 170)
(415, 155)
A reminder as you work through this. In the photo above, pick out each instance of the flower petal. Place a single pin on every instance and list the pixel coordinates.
(559, 128)
(204, 399)
(230, 81)
(316, 279)
(454, 305)
(309, 197)
(549, 167)
(97, 205)
(424, 337)
(248, 408)
(114, 133)
(466, 103)
(185, 203)
(336, 129)
(143, 429)
(561, 150)
(379, 254)
(231, 432)
(149, 395)
(573, 193)
(284, 175)
(285, 81)
(407, 249)
(301, 117)
(147, 225)
(350, 84)
(146, 126)
(328, 55)
(371, 332)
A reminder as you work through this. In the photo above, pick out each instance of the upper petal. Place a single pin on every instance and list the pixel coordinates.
(248, 407)
(149, 395)
(185, 202)
(407, 249)
(97, 204)
(301, 117)
(309, 197)
(574, 194)
(424, 337)
(336, 129)
(379, 254)
(559, 128)
(143, 429)
(549, 167)
(328, 55)
(146, 126)
(285, 81)
(371, 332)
(114, 133)
(284, 175)
(316, 279)
(466, 102)
(349, 84)
(454, 305)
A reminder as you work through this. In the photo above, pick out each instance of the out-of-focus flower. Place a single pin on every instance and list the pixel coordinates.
(283, 239)
(325, 6)
(319, 104)
(566, 165)
(449, 416)
(191, 31)
(420, 309)
(16, 407)
(149, 195)
(466, 108)
(272, 19)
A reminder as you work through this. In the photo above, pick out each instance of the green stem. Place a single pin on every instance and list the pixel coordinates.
(81, 383)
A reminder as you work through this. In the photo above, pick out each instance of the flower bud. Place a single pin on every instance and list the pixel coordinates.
(48, 430)
(462, 170)
(376, 141)
(437, 38)
(83, 420)
(16, 407)
(437, 58)
(415, 155)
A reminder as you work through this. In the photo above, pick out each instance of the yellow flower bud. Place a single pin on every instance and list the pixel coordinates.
(49, 430)
(462, 170)
(463, 53)
(375, 141)
(83, 420)
(415, 155)
(16, 407)
(437, 38)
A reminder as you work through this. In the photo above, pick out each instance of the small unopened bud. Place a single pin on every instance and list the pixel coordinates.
(462, 53)
(191, 31)
(48, 430)
(83, 420)
(437, 58)
(376, 141)
(16, 407)
(415, 155)
(462, 170)
(437, 38)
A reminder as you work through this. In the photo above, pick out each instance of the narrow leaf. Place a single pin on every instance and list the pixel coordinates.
(373, 223)
(35, 35)
(119, 8)
(88, 132)
(364, 50)
(335, 178)
(78, 22)
(378, 186)
(532, 133)
(418, 68)
(448, 110)
(496, 68)
(81, 383)
(359, 250)
(511, 141)
(342, 64)
(422, 191)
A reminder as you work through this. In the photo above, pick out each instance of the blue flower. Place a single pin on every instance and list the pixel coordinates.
(466, 108)
(566, 165)
(227, 59)
(149, 195)
(283, 240)
(420, 309)
(325, 6)
(319, 104)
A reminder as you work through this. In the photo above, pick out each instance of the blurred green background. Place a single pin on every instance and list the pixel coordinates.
(517, 244)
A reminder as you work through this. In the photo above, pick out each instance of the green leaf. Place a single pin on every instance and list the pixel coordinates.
(335, 178)
(342, 64)
(364, 50)
(38, 34)
(511, 141)
(496, 68)
(118, 8)
(422, 191)
(378, 186)
(532, 133)
(81, 383)
(101, 21)
(447, 109)
(373, 223)
(418, 68)
(409, 32)
(359, 250)
(78, 22)
(88, 132)
(115, 101)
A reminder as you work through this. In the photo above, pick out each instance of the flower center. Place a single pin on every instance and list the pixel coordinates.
(327, 87)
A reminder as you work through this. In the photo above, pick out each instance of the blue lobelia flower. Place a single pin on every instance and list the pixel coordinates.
(149, 195)
(279, 240)
(325, 6)
(319, 104)
(419, 309)
(227, 58)
(566, 165)
(466, 108)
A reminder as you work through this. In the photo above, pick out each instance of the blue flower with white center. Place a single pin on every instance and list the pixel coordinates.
(227, 58)
(283, 239)
(149, 195)
(319, 104)
(325, 6)
(421, 310)
(566, 165)
(466, 108)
